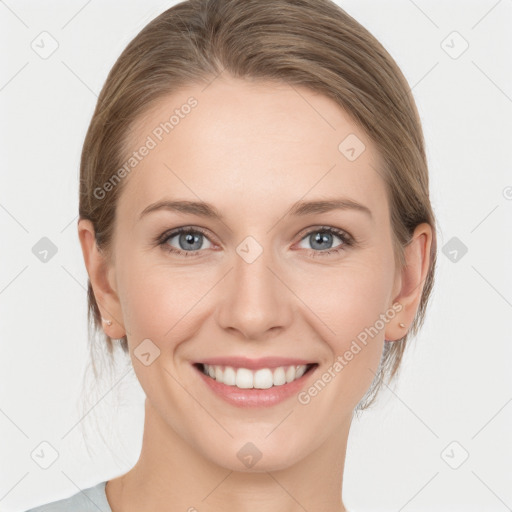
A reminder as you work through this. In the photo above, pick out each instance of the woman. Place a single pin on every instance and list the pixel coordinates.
(257, 230)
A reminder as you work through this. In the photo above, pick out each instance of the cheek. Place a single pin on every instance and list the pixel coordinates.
(362, 303)
(348, 299)
(351, 310)
(158, 300)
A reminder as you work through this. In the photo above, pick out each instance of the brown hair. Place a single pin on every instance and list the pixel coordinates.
(311, 43)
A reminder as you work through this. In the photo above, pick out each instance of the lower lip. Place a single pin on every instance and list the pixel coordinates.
(255, 397)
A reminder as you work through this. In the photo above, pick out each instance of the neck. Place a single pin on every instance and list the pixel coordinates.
(171, 472)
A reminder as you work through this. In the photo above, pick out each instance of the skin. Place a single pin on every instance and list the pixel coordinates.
(251, 149)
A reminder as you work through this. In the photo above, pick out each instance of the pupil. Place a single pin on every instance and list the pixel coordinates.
(190, 240)
(320, 239)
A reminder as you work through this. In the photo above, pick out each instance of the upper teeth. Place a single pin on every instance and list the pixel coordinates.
(260, 379)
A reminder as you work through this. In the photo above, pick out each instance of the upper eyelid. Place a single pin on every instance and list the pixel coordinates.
(333, 229)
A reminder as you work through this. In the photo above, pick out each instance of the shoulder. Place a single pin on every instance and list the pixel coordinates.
(92, 499)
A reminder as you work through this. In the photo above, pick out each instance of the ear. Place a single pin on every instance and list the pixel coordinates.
(102, 277)
(410, 281)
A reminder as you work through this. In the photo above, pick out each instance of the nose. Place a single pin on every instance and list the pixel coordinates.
(256, 299)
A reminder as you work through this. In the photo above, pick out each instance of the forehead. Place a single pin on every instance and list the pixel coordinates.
(252, 146)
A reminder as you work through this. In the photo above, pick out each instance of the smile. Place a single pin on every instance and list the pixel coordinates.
(263, 378)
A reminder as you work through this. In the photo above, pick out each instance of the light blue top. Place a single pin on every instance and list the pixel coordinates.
(93, 499)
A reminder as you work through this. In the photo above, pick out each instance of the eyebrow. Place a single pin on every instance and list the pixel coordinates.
(300, 208)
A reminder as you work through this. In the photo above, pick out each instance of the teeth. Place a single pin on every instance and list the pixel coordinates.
(229, 376)
(279, 376)
(263, 378)
(244, 378)
(300, 371)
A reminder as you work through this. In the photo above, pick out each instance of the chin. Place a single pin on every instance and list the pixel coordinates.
(258, 456)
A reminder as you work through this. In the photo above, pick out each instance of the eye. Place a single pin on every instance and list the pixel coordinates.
(322, 239)
(189, 241)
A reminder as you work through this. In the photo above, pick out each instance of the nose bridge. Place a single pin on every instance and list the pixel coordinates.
(255, 300)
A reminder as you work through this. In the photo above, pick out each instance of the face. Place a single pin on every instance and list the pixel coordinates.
(270, 277)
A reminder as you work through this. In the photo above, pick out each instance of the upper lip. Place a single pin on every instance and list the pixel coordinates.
(254, 364)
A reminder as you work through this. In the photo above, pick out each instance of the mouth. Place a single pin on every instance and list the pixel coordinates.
(260, 378)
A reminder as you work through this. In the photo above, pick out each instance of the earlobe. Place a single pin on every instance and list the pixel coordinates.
(98, 269)
(412, 279)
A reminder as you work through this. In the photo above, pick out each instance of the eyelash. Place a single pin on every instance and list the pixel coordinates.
(348, 240)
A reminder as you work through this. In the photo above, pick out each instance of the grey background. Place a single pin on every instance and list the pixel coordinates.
(454, 397)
